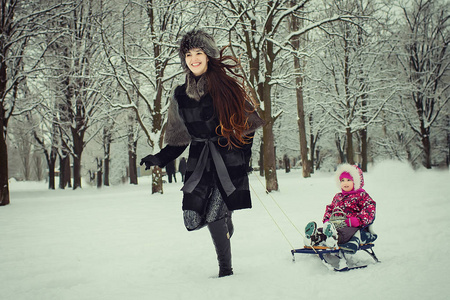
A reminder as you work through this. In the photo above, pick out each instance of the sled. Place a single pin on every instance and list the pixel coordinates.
(337, 259)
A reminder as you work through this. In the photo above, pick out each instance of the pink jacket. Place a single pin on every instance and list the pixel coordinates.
(356, 203)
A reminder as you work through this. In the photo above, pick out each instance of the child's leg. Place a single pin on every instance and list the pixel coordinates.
(345, 234)
(353, 244)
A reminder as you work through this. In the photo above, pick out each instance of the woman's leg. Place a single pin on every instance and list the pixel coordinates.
(221, 239)
(221, 228)
(193, 220)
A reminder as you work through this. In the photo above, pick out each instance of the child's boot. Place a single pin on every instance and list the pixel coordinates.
(353, 244)
(310, 234)
(310, 229)
(331, 233)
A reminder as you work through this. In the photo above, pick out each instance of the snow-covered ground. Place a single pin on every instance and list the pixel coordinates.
(124, 243)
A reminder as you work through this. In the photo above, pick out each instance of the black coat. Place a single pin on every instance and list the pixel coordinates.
(193, 121)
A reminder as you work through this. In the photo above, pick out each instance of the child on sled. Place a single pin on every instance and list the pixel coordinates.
(347, 218)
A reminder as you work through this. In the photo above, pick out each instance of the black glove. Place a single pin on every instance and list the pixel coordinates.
(150, 160)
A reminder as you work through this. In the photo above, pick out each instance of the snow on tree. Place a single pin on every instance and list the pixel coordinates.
(350, 80)
(22, 22)
(425, 62)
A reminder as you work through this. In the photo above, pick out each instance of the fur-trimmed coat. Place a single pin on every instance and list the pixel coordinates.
(192, 121)
(356, 203)
(359, 205)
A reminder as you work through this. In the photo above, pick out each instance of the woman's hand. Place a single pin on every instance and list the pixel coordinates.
(150, 160)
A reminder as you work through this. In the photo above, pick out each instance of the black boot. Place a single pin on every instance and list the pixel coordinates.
(221, 239)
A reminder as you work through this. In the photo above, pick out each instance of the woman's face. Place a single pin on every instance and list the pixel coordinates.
(197, 61)
(347, 185)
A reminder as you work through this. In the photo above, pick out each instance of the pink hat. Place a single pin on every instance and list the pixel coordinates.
(353, 172)
(345, 175)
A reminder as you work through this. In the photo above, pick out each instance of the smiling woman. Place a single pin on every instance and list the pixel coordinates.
(197, 61)
(213, 114)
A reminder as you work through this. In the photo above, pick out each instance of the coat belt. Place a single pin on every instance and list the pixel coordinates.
(221, 170)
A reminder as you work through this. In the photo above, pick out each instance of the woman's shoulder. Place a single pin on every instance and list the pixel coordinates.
(180, 90)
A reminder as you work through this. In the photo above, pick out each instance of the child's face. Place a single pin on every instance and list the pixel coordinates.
(346, 185)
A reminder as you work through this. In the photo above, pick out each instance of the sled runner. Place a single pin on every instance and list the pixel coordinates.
(337, 259)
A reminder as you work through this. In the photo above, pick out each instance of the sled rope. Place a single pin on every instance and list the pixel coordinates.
(273, 219)
(276, 202)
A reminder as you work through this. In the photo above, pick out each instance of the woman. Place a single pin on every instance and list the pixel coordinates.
(213, 114)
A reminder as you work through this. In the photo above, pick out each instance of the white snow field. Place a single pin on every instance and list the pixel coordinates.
(122, 242)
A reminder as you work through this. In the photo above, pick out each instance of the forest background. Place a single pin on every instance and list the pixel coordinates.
(85, 84)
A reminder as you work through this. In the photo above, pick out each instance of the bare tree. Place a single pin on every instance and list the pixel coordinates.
(20, 23)
(354, 84)
(259, 30)
(141, 67)
(425, 61)
(298, 43)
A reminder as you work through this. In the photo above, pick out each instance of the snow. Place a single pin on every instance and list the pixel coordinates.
(124, 243)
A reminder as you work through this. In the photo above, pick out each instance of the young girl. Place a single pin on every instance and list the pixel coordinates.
(350, 211)
(213, 114)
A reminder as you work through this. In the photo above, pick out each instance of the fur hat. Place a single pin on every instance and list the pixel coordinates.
(197, 38)
(355, 173)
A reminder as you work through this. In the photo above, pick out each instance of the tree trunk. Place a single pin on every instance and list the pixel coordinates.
(67, 172)
(312, 147)
(99, 172)
(51, 175)
(160, 65)
(270, 170)
(132, 145)
(51, 160)
(318, 159)
(76, 171)
(447, 160)
(132, 167)
(340, 148)
(364, 160)
(261, 159)
(78, 151)
(106, 174)
(426, 149)
(306, 171)
(4, 184)
(157, 186)
(62, 171)
(350, 158)
(107, 153)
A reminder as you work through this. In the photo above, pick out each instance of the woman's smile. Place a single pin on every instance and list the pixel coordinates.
(197, 61)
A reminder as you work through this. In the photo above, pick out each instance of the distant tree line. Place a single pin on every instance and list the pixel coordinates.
(85, 84)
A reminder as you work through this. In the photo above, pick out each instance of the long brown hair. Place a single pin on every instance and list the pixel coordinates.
(231, 101)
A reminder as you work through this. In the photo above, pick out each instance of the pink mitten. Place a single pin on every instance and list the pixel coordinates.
(352, 222)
